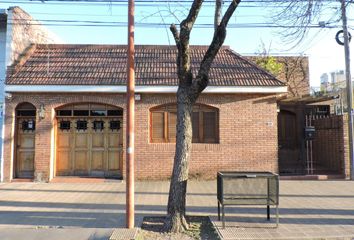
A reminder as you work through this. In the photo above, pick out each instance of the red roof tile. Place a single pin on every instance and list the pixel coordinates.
(106, 65)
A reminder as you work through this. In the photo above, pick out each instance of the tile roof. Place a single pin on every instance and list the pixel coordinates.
(106, 65)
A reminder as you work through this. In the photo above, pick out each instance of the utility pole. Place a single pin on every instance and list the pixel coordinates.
(349, 86)
(130, 119)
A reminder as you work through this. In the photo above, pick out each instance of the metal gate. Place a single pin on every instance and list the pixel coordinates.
(311, 141)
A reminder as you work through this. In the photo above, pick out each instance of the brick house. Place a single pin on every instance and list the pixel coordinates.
(18, 30)
(65, 113)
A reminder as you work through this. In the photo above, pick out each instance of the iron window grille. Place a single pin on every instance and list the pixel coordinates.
(114, 125)
(28, 125)
(64, 125)
(98, 125)
(81, 125)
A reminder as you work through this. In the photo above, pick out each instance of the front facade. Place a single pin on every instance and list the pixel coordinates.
(66, 115)
(18, 30)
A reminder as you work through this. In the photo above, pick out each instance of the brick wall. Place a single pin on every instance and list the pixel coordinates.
(347, 163)
(248, 134)
(331, 145)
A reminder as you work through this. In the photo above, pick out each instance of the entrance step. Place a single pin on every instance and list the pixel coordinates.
(312, 177)
(82, 180)
(22, 180)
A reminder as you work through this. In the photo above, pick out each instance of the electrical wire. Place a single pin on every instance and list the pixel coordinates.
(125, 3)
(154, 3)
(78, 23)
(125, 15)
(177, 1)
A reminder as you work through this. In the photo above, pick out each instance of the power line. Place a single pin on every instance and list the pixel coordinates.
(178, 1)
(122, 15)
(78, 23)
(25, 21)
(124, 3)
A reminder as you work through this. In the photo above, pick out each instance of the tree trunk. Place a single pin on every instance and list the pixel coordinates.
(175, 220)
(189, 89)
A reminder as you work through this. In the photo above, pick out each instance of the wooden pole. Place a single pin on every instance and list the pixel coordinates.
(130, 120)
(349, 87)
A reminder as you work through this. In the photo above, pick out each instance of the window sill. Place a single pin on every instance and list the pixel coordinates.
(195, 146)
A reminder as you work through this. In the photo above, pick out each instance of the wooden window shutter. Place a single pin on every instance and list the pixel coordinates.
(172, 121)
(157, 127)
(195, 127)
(209, 127)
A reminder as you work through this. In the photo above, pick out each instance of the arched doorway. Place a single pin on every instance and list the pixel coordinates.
(25, 140)
(89, 140)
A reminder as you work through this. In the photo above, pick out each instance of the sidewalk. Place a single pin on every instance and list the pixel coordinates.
(308, 210)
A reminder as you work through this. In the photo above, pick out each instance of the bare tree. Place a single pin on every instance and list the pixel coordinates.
(292, 70)
(189, 89)
(300, 15)
(295, 74)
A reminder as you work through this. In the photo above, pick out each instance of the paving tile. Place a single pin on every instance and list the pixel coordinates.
(308, 209)
(123, 234)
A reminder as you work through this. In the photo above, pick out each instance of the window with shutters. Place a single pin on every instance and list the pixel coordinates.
(205, 124)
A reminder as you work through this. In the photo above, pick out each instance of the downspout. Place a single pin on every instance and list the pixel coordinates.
(3, 62)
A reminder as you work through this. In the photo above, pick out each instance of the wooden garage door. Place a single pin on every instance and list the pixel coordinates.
(89, 145)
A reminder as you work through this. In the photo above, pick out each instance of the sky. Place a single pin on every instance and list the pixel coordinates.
(250, 28)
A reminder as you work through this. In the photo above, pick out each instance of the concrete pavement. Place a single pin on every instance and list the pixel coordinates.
(308, 210)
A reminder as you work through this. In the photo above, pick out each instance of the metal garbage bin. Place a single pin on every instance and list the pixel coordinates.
(247, 188)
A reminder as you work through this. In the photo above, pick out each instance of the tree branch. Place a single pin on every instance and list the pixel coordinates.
(183, 60)
(218, 12)
(202, 78)
(187, 24)
(175, 33)
(300, 15)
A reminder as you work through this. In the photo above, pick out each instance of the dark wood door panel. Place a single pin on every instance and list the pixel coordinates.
(25, 148)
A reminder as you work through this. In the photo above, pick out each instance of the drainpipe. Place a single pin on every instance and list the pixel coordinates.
(130, 120)
(3, 61)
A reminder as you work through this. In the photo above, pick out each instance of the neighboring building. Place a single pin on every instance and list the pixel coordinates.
(67, 113)
(326, 152)
(324, 83)
(338, 80)
(295, 73)
(333, 81)
(18, 30)
(334, 84)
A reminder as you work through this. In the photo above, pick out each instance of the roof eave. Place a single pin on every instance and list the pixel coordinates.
(139, 89)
